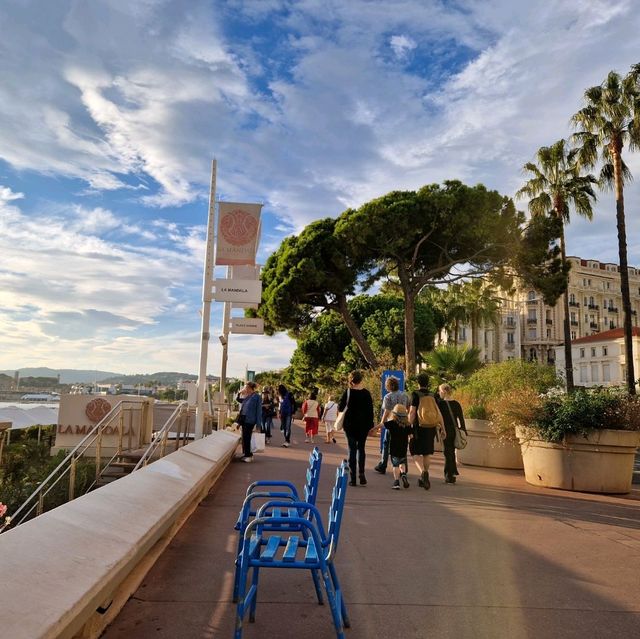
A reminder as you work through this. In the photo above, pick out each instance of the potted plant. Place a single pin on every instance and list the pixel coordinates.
(487, 398)
(584, 441)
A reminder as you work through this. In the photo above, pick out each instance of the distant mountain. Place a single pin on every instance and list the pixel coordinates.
(162, 378)
(75, 376)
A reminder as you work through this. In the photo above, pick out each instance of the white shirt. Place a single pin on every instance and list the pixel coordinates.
(330, 412)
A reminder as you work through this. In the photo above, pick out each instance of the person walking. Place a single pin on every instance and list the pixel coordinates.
(286, 409)
(393, 397)
(426, 420)
(249, 417)
(358, 422)
(311, 416)
(329, 415)
(268, 412)
(398, 431)
(453, 418)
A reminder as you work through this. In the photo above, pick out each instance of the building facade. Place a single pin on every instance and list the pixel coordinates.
(529, 329)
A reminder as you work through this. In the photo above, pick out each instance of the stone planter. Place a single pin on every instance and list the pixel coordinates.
(600, 463)
(484, 448)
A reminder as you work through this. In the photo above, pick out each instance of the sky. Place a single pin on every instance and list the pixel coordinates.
(111, 112)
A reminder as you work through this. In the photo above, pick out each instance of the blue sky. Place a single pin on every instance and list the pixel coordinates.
(112, 110)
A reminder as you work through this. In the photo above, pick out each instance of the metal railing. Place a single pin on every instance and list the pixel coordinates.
(35, 503)
(160, 437)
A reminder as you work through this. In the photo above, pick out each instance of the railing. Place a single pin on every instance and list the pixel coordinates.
(161, 436)
(576, 304)
(548, 322)
(612, 309)
(532, 321)
(69, 465)
(593, 324)
(593, 307)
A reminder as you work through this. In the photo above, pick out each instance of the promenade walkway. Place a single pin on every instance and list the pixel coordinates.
(487, 558)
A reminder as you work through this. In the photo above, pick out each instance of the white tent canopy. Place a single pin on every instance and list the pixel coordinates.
(25, 417)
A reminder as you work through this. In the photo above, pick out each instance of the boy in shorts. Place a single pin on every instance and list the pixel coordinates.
(399, 431)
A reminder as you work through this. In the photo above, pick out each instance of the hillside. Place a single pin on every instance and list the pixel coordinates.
(79, 376)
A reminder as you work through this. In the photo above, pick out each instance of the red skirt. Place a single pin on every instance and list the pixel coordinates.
(311, 425)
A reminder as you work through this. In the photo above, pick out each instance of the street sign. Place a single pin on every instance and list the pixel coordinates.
(237, 291)
(247, 325)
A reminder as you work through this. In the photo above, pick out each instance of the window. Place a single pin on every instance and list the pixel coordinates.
(573, 317)
(533, 355)
(533, 334)
(583, 373)
(605, 351)
(510, 338)
(572, 298)
(591, 301)
(595, 377)
(549, 333)
(582, 352)
(593, 351)
(586, 301)
(531, 296)
(532, 315)
(584, 281)
(608, 285)
(573, 335)
(606, 373)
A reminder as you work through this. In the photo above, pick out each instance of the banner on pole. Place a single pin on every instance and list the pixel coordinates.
(238, 233)
(251, 272)
(247, 325)
(249, 291)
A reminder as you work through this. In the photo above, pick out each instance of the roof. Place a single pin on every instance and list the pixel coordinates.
(606, 336)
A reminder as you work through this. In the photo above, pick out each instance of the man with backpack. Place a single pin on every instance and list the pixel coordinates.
(426, 419)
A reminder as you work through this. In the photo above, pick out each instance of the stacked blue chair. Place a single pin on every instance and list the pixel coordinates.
(286, 491)
(269, 543)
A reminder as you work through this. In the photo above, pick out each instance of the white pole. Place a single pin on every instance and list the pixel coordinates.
(226, 319)
(207, 286)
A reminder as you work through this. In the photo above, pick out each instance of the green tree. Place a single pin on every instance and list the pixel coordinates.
(480, 301)
(434, 235)
(609, 120)
(555, 184)
(307, 274)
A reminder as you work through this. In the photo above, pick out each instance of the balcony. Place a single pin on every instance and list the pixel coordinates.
(593, 307)
(612, 309)
(548, 322)
(634, 312)
(593, 325)
(575, 304)
(574, 323)
(510, 323)
(532, 321)
(612, 325)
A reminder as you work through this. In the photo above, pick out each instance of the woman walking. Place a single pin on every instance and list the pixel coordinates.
(268, 412)
(329, 415)
(311, 416)
(358, 421)
(249, 417)
(453, 418)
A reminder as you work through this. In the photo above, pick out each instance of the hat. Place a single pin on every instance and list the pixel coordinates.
(400, 410)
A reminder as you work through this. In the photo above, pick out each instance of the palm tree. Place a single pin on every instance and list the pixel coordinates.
(450, 363)
(481, 305)
(554, 185)
(609, 120)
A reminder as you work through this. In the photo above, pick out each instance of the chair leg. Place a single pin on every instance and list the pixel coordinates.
(254, 601)
(236, 576)
(331, 596)
(339, 595)
(318, 587)
(240, 607)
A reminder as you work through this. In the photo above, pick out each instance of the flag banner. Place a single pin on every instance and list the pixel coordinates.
(251, 272)
(238, 233)
(247, 325)
(249, 291)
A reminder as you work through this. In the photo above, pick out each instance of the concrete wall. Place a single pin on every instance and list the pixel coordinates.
(68, 572)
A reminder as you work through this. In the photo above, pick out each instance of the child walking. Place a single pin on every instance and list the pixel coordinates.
(399, 431)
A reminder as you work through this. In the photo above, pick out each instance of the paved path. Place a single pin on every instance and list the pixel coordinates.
(487, 558)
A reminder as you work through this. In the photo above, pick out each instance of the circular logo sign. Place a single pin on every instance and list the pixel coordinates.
(97, 409)
(238, 227)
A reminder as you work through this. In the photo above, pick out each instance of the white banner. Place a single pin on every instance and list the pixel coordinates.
(237, 291)
(238, 233)
(251, 272)
(247, 325)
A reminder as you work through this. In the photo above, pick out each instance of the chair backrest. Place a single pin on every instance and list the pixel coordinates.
(338, 497)
(313, 476)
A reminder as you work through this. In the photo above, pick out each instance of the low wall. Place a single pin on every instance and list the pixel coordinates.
(67, 573)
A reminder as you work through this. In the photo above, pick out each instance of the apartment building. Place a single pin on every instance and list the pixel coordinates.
(531, 330)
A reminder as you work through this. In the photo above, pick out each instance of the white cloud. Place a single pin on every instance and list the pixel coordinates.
(402, 45)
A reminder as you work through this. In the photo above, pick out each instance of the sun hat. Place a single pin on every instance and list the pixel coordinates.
(400, 410)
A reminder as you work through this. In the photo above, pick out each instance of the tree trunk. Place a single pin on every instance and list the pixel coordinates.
(568, 357)
(409, 334)
(624, 271)
(356, 333)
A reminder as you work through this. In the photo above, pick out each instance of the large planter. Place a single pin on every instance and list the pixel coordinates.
(599, 463)
(485, 449)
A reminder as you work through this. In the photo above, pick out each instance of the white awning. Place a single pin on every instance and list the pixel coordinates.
(25, 417)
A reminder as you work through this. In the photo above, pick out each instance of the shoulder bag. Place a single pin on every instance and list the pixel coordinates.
(339, 425)
(460, 440)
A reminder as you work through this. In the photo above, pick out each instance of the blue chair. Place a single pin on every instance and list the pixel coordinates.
(287, 491)
(309, 548)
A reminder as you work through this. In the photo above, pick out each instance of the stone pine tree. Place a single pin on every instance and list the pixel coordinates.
(555, 185)
(609, 120)
(307, 274)
(437, 234)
